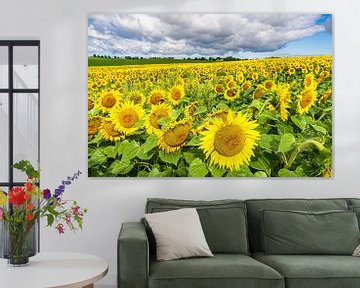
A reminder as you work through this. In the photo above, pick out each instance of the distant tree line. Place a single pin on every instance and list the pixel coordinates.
(228, 58)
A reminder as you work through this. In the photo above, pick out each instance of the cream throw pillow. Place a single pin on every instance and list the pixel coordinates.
(178, 234)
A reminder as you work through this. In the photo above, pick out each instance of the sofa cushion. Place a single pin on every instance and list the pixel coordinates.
(222, 270)
(254, 217)
(178, 234)
(313, 271)
(297, 232)
(223, 221)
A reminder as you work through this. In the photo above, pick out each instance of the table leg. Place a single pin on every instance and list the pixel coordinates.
(89, 286)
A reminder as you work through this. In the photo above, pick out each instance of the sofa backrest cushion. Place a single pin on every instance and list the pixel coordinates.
(223, 221)
(256, 205)
(298, 232)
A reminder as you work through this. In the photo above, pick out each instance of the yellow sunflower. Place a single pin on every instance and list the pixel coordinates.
(219, 89)
(108, 131)
(309, 81)
(136, 97)
(90, 104)
(269, 84)
(126, 118)
(246, 85)
(157, 96)
(190, 109)
(157, 112)
(284, 97)
(240, 77)
(221, 113)
(108, 100)
(232, 93)
(230, 144)
(259, 92)
(176, 94)
(94, 124)
(175, 136)
(231, 84)
(327, 95)
(306, 100)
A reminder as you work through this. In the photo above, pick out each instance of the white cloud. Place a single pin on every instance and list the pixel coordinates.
(196, 34)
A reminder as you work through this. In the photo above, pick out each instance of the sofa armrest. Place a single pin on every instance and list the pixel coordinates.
(133, 256)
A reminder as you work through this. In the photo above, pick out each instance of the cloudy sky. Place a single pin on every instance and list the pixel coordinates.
(193, 35)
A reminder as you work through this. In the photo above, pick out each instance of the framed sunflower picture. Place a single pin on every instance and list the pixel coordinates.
(210, 95)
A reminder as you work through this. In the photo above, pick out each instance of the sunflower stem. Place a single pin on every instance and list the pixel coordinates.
(301, 147)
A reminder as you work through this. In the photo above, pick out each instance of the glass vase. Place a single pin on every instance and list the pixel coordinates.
(18, 242)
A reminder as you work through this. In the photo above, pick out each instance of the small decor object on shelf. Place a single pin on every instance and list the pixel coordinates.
(23, 206)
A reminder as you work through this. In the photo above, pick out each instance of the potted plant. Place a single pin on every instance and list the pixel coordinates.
(21, 208)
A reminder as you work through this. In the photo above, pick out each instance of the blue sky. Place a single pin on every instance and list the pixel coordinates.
(194, 35)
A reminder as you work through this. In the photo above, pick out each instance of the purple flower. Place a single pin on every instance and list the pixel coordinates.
(46, 194)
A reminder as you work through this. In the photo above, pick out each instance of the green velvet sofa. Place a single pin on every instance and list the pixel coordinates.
(233, 230)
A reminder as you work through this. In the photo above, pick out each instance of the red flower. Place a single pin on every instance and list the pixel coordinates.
(29, 206)
(17, 196)
(27, 196)
(29, 186)
(29, 217)
(60, 228)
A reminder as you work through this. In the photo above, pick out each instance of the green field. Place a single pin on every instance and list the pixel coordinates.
(95, 61)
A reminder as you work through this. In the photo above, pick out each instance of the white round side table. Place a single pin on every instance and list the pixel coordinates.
(50, 270)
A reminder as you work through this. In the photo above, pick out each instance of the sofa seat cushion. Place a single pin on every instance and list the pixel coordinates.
(222, 270)
(313, 271)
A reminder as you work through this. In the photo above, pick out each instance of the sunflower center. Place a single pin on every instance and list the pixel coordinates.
(229, 140)
(90, 104)
(306, 99)
(268, 85)
(156, 98)
(307, 81)
(135, 98)
(176, 94)
(128, 118)
(231, 93)
(219, 88)
(94, 126)
(108, 101)
(154, 117)
(109, 128)
(176, 136)
(247, 86)
(259, 93)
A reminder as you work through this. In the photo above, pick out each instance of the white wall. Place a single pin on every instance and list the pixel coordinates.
(62, 28)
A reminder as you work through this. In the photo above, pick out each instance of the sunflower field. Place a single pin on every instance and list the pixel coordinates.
(248, 118)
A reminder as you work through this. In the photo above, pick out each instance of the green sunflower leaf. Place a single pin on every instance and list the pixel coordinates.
(319, 129)
(121, 167)
(200, 110)
(269, 142)
(128, 150)
(261, 164)
(172, 158)
(98, 157)
(260, 174)
(110, 151)
(244, 171)
(194, 141)
(150, 143)
(287, 142)
(216, 171)
(198, 168)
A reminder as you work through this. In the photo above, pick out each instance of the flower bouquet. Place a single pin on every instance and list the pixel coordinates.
(21, 208)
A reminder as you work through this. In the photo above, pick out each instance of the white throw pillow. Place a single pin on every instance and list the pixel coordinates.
(178, 234)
